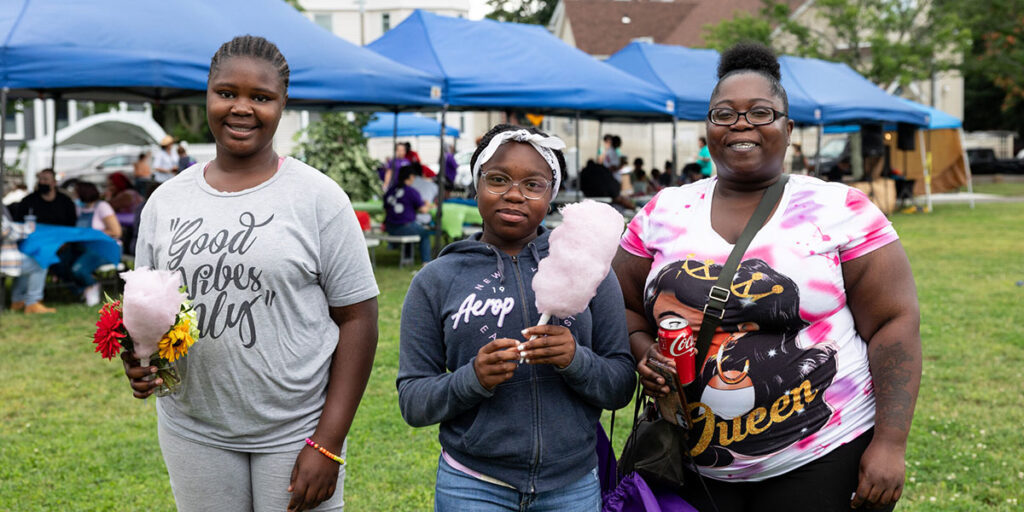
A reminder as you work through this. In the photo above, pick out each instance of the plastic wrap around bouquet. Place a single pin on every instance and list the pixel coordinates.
(581, 253)
(153, 319)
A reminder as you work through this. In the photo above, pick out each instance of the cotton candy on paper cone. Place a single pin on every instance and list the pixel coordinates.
(150, 305)
(581, 253)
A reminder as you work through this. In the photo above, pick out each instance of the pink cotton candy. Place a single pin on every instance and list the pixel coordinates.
(581, 253)
(151, 304)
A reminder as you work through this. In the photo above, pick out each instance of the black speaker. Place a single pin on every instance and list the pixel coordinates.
(871, 141)
(906, 133)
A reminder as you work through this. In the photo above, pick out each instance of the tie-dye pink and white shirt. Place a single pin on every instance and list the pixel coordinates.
(786, 379)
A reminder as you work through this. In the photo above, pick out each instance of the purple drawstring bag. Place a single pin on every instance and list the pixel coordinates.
(631, 494)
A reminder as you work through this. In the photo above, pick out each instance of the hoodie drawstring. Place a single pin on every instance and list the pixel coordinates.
(499, 264)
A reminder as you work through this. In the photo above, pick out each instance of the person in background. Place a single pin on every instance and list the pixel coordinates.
(142, 170)
(389, 171)
(273, 387)
(121, 195)
(184, 160)
(15, 194)
(30, 278)
(639, 181)
(807, 392)
(668, 178)
(49, 205)
(609, 155)
(654, 182)
(78, 263)
(692, 172)
(165, 163)
(518, 409)
(704, 157)
(450, 167)
(798, 162)
(424, 181)
(401, 204)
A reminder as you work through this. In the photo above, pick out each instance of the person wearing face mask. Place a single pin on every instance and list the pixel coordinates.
(49, 205)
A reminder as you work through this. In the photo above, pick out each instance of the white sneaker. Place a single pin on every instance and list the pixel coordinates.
(92, 295)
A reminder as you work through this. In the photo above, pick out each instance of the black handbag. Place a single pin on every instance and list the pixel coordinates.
(657, 449)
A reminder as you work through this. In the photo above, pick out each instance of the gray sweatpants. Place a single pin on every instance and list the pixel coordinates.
(204, 478)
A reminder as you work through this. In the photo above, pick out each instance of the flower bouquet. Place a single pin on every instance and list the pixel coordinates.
(153, 319)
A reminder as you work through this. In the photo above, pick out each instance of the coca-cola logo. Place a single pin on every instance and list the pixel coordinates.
(684, 343)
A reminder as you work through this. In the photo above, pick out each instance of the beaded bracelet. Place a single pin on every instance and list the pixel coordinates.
(324, 451)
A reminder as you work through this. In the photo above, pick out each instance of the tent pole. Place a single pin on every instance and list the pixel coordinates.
(440, 188)
(577, 130)
(600, 126)
(53, 152)
(394, 143)
(817, 154)
(651, 165)
(927, 173)
(675, 163)
(3, 167)
(967, 167)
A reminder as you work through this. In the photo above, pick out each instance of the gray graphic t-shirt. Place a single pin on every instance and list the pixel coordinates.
(262, 267)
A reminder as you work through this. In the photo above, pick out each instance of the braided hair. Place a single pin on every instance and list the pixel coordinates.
(752, 58)
(254, 47)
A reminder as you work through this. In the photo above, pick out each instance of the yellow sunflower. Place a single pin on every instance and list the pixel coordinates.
(177, 341)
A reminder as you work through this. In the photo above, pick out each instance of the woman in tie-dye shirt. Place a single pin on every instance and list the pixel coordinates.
(808, 389)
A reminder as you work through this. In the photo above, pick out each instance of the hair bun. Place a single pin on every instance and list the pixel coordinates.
(749, 57)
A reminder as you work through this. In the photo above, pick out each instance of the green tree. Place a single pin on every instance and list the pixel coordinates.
(888, 41)
(337, 147)
(536, 12)
(993, 68)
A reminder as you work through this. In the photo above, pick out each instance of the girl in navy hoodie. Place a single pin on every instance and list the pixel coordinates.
(518, 417)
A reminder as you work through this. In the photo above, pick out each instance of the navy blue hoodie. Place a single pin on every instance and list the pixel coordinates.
(535, 431)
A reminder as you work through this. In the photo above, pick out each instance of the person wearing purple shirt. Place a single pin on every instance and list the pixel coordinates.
(389, 170)
(401, 204)
(450, 167)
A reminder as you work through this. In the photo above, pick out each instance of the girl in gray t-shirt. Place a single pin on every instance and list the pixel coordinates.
(276, 265)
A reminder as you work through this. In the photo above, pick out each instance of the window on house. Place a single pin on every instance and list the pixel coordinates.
(385, 22)
(324, 20)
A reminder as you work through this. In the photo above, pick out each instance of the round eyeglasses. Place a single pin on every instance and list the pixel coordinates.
(499, 183)
(756, 116)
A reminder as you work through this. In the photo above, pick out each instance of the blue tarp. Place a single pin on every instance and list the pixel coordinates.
(46, 240)
(938, 120)
(492, 65)
(819, 92)
(409, 125)
(156, 49)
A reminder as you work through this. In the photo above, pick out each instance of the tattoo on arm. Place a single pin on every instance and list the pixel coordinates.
(896, 375)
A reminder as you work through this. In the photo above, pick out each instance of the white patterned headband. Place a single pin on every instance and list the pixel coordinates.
(545, 145)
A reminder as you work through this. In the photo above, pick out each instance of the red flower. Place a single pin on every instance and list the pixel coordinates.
(109, 328)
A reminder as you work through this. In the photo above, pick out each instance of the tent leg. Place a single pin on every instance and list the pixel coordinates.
(927, 173)
(651, 164)
(3, 167)
(817, 153)
(967, 167)
(675, 160)
(53, 149)
(577, 130)
(441, 177)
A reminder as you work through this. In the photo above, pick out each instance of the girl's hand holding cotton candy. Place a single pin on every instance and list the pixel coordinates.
(548, 344)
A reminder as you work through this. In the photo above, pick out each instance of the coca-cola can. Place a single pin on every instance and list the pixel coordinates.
(677, 342)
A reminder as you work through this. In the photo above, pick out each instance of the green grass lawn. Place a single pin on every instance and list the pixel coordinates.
(72, 438)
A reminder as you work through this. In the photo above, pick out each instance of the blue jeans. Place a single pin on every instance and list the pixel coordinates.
(459, 492)
(28, 287)
(413, 228)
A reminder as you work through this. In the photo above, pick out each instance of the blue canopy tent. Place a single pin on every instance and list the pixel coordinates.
(488, 64)
(384, 124)
(819, 92)
(938, 120)
(160, 51)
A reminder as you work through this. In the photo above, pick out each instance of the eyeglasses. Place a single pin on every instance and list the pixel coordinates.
(756, 116)
(499, 183)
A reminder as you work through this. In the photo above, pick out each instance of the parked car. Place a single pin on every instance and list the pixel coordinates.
(984, 161)
(97, 170)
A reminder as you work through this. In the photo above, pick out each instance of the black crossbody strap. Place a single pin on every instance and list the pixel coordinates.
(719, 294)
